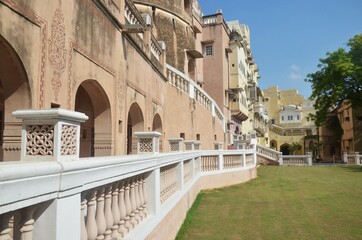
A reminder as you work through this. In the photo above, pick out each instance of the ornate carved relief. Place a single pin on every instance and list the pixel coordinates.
(68, 140)
(57, 51)
(40, 140)
(120, 89)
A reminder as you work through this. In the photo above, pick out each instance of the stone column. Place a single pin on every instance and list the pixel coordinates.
(148, 142)
(50, 134)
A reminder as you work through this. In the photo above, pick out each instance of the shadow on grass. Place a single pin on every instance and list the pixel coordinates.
(352, 168)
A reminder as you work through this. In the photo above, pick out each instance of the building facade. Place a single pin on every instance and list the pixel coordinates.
(231, 77)
(291, 127)
(110, 61)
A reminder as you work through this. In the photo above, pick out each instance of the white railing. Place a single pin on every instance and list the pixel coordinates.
(295, 160)
(104, 197)
(354, 158)
(268, 152)
(189, 86)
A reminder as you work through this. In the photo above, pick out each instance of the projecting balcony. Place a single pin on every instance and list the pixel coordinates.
(239, 110)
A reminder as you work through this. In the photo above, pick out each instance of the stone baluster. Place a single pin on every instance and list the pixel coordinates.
(91, 223)
(133, 203)
(100, 218)
(83, 229)
(108, 212)
(162, 185)
(144, 196)
(5, 227)
(115, 210)
(127, 200)
(140, 197)
(167, 182)
(27, 223)
(122, 210)
(137, 200)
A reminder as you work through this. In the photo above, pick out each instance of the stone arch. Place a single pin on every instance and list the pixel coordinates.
(274, 144)
(15, 94)
(96, 132)
(135, 123)
(157, 127)
(285, 149)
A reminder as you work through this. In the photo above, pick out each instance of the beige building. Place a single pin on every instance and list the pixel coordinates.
(231, 76)
(120, 63)
(291, 128)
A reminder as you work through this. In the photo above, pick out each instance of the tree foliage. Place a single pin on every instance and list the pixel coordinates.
(339, 78)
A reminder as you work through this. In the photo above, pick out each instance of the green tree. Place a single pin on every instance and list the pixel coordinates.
(339, 78)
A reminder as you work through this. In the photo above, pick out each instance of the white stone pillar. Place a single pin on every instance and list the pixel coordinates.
(197, 145)
(309, 159)
(218, 146)
(148, 142)
(189, 145)
(50, 134)
(345, 157)
(357, 158)
(175, 144)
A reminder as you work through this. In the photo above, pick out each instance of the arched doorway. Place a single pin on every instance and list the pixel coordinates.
(135, 123)
(96, 132)
(157, 127)
(14, 94)
(285, 149)
(273, 144)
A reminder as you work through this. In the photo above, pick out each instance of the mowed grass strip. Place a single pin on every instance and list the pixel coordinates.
(282, 203)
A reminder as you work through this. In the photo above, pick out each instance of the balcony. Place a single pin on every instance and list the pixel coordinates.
(239, 110)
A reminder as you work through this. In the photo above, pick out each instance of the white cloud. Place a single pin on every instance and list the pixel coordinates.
(295, 74)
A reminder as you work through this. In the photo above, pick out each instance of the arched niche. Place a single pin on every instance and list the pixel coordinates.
(96, 132)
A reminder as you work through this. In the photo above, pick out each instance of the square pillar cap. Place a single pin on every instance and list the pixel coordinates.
(147, 134)
(53, 113)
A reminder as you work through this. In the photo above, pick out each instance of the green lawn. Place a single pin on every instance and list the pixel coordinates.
(282, 203)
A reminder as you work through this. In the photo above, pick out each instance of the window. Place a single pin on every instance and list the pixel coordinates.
(182, 135)
(273, 121)
(298, 117)
(282, 118)
(209, 50)
(198, 137)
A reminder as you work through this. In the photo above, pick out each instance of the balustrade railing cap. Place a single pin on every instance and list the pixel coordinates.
(53, 113)
(147, 134)
(189, 141)
(175, 139)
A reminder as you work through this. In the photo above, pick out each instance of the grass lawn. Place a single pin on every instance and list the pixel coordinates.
(282, 203)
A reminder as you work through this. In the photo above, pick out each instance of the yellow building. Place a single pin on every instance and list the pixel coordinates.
(291, 129)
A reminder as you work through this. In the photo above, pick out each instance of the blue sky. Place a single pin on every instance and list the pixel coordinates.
(288, 37)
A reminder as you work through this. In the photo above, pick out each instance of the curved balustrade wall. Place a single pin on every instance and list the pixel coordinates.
(128, 197)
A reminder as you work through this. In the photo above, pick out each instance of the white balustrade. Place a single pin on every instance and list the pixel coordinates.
(98, 198)
(189, 86)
